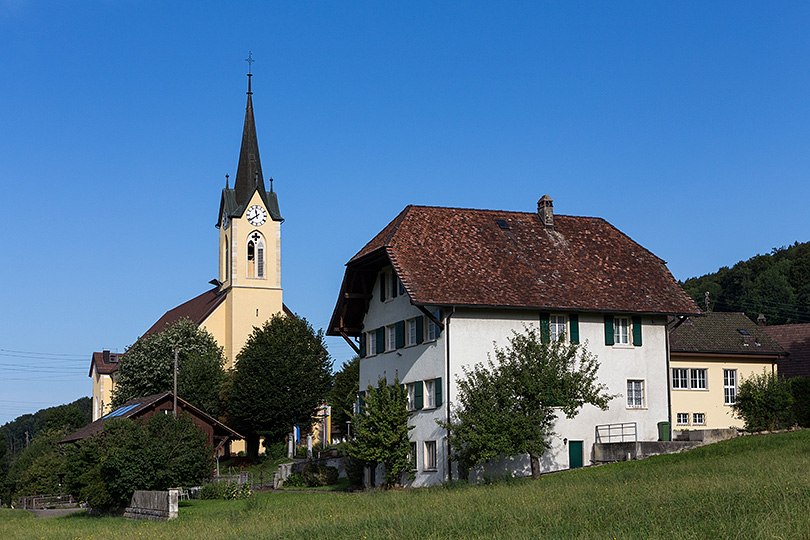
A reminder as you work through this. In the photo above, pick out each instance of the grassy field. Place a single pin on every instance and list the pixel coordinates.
(750, 487)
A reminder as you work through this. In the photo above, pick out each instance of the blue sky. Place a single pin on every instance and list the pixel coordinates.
(685, 125)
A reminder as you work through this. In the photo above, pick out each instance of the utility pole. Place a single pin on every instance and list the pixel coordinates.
(176, 354)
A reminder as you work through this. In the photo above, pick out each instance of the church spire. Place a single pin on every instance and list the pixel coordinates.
(249, 178)
(249, 171)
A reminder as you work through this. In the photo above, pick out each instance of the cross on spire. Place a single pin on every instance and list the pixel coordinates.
(250, 61)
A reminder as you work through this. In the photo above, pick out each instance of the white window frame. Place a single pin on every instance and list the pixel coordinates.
(698, 419)
(635, 393)
(729, 386)
(371, 343)
(390, 337)
(431, 456)
(433, 328)
(557, 327)
(680, 378)
(621, 331)
(430, 394)
(410, 389)
(255, 269)
(696, 382)
(682, 419)
(411, 337)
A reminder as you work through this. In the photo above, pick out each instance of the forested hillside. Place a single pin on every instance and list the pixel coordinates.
(15, 435)
(776, 285)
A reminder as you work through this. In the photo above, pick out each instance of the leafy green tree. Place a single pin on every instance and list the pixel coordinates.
(165, 452)
(380, 431)
(148, 367)
(344, 394)
(509, 405)
(765, 402)
(283, 373)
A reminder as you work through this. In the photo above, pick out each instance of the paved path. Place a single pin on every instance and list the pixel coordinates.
(56, 512)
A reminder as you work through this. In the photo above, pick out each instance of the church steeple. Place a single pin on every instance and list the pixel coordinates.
(249, 177)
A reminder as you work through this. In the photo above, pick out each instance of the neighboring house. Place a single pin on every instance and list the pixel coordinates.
(218, 434)
(437, 286)
(795, 339)
(103, 367)
(710, 356)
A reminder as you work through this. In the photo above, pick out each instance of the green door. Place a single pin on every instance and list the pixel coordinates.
(574, 454)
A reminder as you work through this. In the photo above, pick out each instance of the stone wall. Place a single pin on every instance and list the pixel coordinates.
(156, 505)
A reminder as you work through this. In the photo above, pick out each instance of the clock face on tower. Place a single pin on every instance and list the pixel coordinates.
(256, 215)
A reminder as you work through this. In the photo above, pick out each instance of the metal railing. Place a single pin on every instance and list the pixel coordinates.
(38, 502)
(610, 433)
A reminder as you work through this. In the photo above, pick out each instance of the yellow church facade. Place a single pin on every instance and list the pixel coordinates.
(248, 289)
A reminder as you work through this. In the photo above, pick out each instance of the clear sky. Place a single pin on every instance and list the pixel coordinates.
(686, 125)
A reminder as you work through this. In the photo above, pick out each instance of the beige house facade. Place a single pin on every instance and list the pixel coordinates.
(710, 356)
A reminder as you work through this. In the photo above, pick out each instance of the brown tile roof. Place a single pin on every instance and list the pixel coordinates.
(139, 406)
(103, 367)
(463, 257)
(197, 310)
(719, 333)
(795, 338)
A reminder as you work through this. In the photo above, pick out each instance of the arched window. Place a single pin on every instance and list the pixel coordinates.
(255, 256)
(227, 259)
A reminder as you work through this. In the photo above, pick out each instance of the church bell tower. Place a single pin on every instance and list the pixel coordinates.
(249, 224)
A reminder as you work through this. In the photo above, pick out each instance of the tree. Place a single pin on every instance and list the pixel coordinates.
(509, 406)
(765, 402)
(344, 393)
(381, 431)
(283, 373)
(148, 367)
(165, 452)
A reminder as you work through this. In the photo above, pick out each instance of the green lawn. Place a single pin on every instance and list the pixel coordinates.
(751, 487)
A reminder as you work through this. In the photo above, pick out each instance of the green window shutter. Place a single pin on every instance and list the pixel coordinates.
(361, 403)
(637, 331)
(545, 328)
(420, 329)
(382, 287)
(437, 385)
(418, 395)
(573, 322)
(362, 345)
(608, 329)
(380, 340)
(400, 331)
(395, 288)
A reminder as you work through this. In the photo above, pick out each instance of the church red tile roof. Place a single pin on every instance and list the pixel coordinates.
(496, 258)
(197, 310)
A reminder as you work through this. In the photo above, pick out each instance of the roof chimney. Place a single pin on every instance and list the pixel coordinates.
(761, 320)
(546, 211)
(105, 356)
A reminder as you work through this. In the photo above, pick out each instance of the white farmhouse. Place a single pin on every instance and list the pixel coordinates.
(437, 286)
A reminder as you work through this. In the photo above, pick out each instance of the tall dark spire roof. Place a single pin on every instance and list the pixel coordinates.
(249, 178)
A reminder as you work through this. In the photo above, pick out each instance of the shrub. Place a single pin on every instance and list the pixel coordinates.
(800, 389)
(765, 402)
(211, 490)
(295, 480)
(328, 476)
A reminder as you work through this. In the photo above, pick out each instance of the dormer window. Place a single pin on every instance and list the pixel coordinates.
(255, 256)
